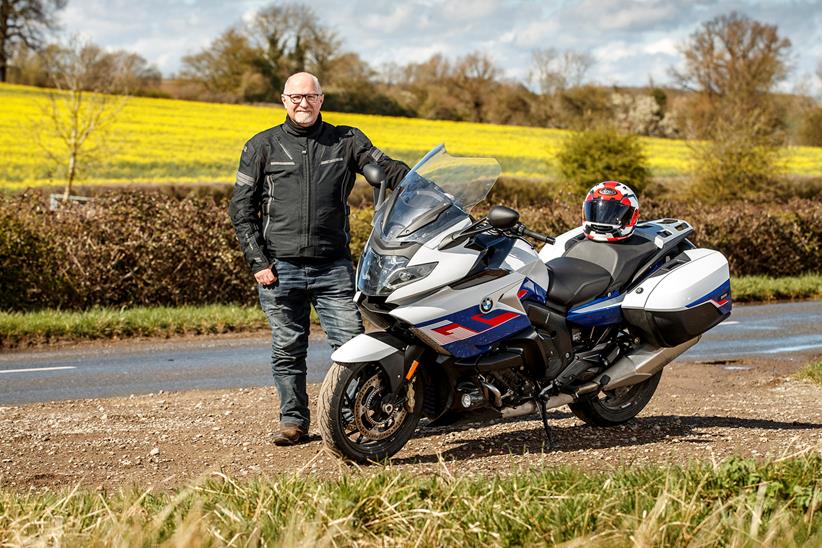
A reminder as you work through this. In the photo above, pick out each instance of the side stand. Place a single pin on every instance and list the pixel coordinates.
(548, 433)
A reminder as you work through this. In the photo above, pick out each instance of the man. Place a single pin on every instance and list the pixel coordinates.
(290, 210)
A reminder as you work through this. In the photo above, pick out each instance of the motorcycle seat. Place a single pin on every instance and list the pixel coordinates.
(575, 281)
(620, 259)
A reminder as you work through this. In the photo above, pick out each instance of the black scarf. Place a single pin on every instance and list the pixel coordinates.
(300, 131)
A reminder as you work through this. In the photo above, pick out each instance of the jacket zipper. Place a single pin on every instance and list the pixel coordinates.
(267, 206)
(306, 198)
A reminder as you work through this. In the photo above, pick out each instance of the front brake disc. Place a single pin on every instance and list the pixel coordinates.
(369, 418)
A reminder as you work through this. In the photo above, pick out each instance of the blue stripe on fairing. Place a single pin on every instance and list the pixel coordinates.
(482, 342)
(715, 295)
(534, 291)
(607, 315)
(602, 316)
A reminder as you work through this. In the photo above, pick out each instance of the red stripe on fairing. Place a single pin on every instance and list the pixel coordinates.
(496, 320)
(521, 293)
(720, 304)
(446, 329)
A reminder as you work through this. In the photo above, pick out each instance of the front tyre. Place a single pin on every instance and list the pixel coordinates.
(616, 406)
(355, 418)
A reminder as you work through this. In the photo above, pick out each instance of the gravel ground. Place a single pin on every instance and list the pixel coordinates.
(701, 411)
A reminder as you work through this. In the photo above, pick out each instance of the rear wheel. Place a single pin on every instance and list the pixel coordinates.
(355, 417)
(616, 406)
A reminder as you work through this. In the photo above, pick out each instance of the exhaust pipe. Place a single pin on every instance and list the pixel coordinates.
(641, 364)
(530, 407)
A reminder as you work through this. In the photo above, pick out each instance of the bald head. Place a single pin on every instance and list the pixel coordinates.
(302, 81)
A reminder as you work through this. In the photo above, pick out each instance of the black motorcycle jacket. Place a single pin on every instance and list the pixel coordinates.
(290, 199)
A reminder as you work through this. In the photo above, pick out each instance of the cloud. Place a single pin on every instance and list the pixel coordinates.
(630, 39)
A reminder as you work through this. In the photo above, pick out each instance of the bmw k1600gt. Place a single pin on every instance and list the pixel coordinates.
(471, 316)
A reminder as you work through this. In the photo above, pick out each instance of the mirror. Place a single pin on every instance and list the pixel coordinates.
(502, 217)
(374, 174)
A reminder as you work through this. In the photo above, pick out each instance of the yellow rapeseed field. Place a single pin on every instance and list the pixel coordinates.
(169, 141)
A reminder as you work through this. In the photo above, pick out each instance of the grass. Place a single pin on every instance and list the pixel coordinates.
(20, 329)
(170, 141)
(812, 372)
(736, 502)
(764, 288)
(48, 326)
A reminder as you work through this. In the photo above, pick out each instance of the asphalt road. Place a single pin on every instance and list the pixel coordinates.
(127, 368)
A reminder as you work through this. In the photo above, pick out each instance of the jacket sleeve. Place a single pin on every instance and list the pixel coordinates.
(366, 153)
(245, 205)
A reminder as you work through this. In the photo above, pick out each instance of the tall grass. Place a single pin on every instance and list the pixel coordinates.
(736, 503)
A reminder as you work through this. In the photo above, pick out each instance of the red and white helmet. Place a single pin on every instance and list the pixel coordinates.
(610, 212)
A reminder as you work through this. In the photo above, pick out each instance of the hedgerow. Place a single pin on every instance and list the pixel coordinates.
(139, 248)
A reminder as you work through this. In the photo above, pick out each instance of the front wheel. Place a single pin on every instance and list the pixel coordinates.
(355, 417)
(616, 406)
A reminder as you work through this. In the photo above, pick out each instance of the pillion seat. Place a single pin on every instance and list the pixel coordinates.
(619, 259)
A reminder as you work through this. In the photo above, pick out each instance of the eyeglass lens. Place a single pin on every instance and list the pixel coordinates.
(297, 98)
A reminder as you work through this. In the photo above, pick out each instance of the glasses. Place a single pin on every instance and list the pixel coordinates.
(297, 98)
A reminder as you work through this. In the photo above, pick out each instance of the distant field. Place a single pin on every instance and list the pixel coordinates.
(168, 141)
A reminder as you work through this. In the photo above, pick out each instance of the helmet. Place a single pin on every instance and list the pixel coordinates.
(609, 212)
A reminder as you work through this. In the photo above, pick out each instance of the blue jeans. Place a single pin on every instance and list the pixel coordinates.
(329, 286)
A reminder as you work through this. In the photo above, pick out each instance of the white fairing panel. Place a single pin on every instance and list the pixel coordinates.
(681, 287)
(550, 251)
(362, 348)
(525, 260)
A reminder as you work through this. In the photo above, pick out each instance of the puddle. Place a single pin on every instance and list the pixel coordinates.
(737, 367)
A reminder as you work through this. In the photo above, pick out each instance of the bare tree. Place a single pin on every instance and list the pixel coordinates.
(25, 22)
(474, 81)
(732, 64)
(78, 113)
(292, 39)
(555, 71)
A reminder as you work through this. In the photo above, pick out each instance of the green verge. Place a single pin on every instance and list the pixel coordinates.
(49, 326)
(734, 503)
(763, 289)
(20, 329)
(812, 372)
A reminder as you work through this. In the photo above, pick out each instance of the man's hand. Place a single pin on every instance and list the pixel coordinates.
(266, 277)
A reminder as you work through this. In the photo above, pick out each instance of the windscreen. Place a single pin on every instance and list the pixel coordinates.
(438, 192)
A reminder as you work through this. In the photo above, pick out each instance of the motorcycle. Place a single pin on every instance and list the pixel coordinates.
(471, 316)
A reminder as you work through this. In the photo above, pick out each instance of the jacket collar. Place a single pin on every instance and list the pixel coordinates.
(297, 131)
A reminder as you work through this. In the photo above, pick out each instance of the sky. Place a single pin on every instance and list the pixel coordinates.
(631, 41)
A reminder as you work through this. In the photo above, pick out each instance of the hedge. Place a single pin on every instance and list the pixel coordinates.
(131, 248)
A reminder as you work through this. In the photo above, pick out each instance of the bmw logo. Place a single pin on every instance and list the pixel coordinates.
(486, 305)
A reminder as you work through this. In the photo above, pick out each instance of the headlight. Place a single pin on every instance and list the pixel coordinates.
(407, 275)
(379, 275)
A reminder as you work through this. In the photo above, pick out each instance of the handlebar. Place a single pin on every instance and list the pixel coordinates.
(481, 225)
(520, 230)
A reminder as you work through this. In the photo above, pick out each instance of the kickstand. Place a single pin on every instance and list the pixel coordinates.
(548, 433)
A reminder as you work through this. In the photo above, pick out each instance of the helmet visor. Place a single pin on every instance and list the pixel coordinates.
(608, 212)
